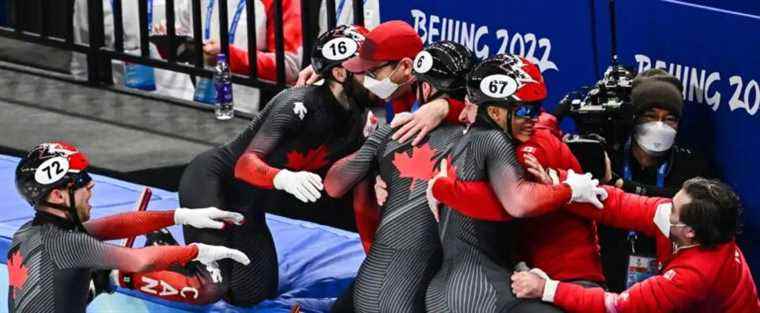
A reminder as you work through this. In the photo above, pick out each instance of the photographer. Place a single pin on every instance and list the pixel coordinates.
(647, 163)
(650, 163)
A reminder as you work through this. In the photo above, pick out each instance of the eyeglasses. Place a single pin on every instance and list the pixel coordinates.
(371, 72)
(527, 110)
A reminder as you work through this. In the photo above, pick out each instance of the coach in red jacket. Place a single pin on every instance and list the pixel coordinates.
(703, 270)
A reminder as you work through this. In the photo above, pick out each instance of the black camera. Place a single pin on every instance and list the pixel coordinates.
(603, 116)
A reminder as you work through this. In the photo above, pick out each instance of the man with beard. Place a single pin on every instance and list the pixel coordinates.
(57, 257)
(275, 165)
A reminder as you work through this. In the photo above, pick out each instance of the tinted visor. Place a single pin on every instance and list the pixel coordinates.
(81, 179)
(527, 110)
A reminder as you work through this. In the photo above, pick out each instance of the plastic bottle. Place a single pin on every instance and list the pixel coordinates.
(223, 83)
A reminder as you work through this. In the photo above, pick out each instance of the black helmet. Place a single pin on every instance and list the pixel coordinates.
(49, 166)
(444, 65)
(335, 46)
(505, 80)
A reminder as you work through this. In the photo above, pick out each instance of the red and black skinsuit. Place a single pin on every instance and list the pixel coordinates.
(563, 245)
(406, 251)
(301, 129)
(50, 261)
(477, 262)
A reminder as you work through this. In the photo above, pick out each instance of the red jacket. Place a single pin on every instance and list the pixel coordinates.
(692, 280)
(563, 245)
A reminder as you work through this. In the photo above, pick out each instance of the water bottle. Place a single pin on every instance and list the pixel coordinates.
(223, 83)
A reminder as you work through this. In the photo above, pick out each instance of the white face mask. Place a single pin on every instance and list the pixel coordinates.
(381, 88)
(662, 218)
(655, 137)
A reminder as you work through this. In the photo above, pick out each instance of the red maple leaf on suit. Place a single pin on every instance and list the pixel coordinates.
(17, 273)
(419, 166)
(314, 159)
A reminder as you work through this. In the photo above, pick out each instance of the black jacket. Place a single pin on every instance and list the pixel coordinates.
(683, 164)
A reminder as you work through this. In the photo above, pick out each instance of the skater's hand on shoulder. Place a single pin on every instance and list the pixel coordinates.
(381, 191)
(432, 201)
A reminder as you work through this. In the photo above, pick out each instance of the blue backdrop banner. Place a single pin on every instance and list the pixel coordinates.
(557, 35)
(713, 47)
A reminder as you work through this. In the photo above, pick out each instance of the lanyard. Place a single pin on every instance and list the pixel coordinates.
(233, 26)
(415, 106)
(388, 111)
(662, 170)
(150, 15)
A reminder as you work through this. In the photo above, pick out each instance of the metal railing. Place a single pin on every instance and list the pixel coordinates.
(99, 56)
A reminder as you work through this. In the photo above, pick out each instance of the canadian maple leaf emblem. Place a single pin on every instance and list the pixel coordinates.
(419, 166)
(314, 159)
(17, 273)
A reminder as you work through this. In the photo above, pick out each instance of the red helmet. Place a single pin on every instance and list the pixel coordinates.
(335, 46)
(505, 80)
(49, 166)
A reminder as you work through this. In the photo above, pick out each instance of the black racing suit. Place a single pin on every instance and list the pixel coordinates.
(300, 129)
(406, 252)
(51, 262)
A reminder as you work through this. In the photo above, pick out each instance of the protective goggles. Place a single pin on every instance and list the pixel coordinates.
(81, 180)
(528, 110)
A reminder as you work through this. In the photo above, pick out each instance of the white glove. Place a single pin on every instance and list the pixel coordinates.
(206, 218)
(585, 189)
(208, 254)
(432, 201)
(305, 186)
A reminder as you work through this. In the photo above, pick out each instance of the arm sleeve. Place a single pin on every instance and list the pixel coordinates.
(348, 171)
(251, 166)
(79, 250)
(366, 211)
(455, 108)
(266, 64)
(677, 290)
(474, 199)
(127, 225)
(518, 196)
(623, 210)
